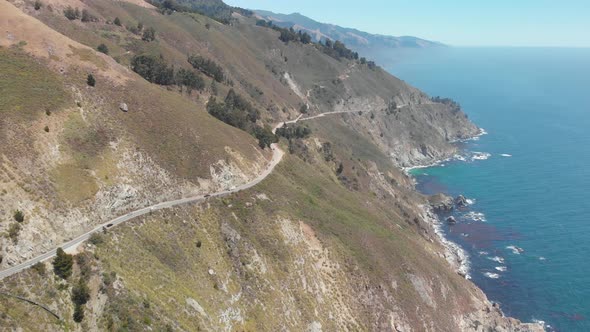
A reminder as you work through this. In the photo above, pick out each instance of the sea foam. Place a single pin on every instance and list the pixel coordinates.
(477, 155)
(491, 275)
(497, 259)
(515, 250)
(475, 216)
(454, 254)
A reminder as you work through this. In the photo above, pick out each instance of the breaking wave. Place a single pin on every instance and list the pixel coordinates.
(475, 216)
(497, 259)
(476, 155)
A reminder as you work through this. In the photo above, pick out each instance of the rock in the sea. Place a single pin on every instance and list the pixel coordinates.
(123, 107)
(461, 201)
(451, 220)
(441, 203)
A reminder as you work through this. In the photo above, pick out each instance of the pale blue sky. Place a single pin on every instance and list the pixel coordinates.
(454, 22)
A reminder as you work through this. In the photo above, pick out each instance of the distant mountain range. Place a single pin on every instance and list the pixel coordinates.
(357, 40)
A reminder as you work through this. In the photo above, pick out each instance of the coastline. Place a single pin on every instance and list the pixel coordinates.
(476, 137)
(457, 257)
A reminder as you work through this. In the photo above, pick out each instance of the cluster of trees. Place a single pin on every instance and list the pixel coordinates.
(290, 34)
(447, 101)
(371, 64)
(74, 14)
(190, 80)
(216, 10)
(80, 296)
(290, 132)
(63, 267)
(236, 111)
(207, 67)
(149, 34)
(287, 34)
(155, 70)
(337, 50)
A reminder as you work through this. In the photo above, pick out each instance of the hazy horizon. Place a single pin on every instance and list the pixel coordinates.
(463, 23)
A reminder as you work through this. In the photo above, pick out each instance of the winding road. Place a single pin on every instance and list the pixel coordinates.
(277, 156)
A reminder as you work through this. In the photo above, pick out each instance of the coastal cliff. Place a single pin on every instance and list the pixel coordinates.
(335, 238)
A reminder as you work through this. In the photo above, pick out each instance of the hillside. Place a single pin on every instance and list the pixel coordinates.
(334, 238)
(361, 41)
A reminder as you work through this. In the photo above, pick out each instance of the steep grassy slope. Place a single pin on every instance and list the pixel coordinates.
(300, 252)
(71, 158)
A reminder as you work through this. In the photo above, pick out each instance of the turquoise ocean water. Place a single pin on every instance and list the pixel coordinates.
(533, 191)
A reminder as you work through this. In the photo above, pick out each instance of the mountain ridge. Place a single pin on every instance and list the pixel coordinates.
(354, 38)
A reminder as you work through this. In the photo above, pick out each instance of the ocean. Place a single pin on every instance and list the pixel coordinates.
(527, 230)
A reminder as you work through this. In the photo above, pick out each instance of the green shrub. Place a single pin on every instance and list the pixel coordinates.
(117, 21)
(96, 239)
(38, 5)
(71, 13)
(90, 80)
(13, 231)
(87, 17)
(80, 293)
(19, 216)
(40, 268)
(102, 48)
(78, 314)
(149, 34)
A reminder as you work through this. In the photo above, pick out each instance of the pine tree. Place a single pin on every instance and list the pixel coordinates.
(78, 313)
(80, 293)
(90, 80)
(62, 264)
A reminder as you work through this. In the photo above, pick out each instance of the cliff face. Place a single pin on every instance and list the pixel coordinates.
(334, 239)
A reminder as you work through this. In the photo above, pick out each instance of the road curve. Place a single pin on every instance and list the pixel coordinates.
(277, 156)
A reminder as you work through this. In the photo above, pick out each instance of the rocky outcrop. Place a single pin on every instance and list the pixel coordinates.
(461, 201)
(441, 203)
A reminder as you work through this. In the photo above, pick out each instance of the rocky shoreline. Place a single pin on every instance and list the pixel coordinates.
(491, 314)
